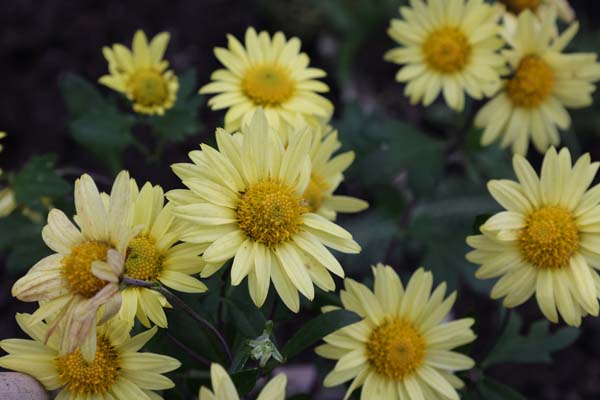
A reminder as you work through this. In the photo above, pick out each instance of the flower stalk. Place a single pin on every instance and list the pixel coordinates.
(177, 302)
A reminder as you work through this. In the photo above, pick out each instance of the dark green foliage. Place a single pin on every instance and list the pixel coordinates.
(536, 346)
(96, 123)
(37, 183)
(182, 120)
(316, 329)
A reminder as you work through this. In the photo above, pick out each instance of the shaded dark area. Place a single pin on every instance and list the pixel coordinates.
(42, 41)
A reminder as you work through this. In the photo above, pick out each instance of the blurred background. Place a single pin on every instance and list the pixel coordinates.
(422, 170)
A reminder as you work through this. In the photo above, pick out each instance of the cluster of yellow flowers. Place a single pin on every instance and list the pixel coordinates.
(265, 199)
(511, 53)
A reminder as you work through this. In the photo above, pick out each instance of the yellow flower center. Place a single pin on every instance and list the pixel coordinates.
(550, 237)
(516, 6)
(86, 378)
(396, 349)
(447, 50)
(268, 85)
(149, 87)
(532, 82)
(315, 191)
(143, 259)
(270, 212)
(77, 267)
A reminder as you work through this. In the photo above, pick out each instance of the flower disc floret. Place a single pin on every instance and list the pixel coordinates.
(268, 85)
(143, 261)
(149, 88)
(550, 237)
(270, 212)
(531, 84)
(396, 349)
(77, 267)
(85, 378)
(447, 50)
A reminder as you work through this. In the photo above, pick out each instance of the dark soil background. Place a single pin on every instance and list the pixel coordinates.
(41, 41)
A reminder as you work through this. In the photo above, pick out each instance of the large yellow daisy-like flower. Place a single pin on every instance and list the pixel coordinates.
(448, 46)
(271, 73)
(402, 349)
(117, 371)
(83, 274)
(246, 202)
(541, 8)
(154, 256)
(327, 171)
(142, 74)
(544, 82)
(223, 388)
(546, 243)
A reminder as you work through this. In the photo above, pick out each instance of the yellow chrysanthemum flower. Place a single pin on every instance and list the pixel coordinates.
(546, 243)
(117, 371)
(544, 82)
(541, 8)
(141, 74)
(402, 349)
(270, 73)
(245, 201)
(327, 171)
(223, 388)
(449, 47)
(154, 256)
(83, 274)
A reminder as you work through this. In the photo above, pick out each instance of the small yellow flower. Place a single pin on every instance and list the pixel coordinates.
(447, 46)
(271, 73)
(223, 388)
(543, 83)
(541, 7)
(116, 371)
(8, 202)
(141, 74)
(83, 275)
(546, 243)
(245, 201)
(154, 256)
(402, 349)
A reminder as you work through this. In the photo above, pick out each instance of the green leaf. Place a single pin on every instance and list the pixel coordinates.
(245, 380)
(37, 182)
(374, 232)
(80, 95)
(387, 150)
(491, 389)
(105, 132)
(96, 123)
(355, 21)
(180, 121)
(404, 149)
(24, 255)
(318, 328)
(440, 225)
(247, 319)
(535, 347)
(241, 354)
(21, 238)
